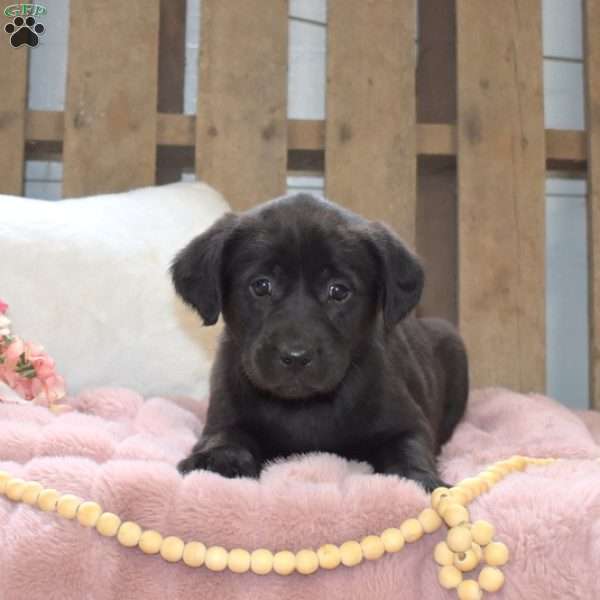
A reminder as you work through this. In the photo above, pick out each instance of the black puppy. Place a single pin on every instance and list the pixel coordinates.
(318, 351)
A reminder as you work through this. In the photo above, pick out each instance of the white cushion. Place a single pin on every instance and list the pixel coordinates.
(88, 279)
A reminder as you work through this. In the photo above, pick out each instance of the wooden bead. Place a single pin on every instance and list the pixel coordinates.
(484, 485)
(372, 547)
(129, 534)
(329, 556)
(460, 495)
(491, 477)
(215, 558)
(466, 561)
(14, 488)
(284, 562)
(171, 548)
(392, 539)
(478, 550)
(47, 499)
(449, 577)
(108, 524)
(500, 473)
(482, 532)
(474, 484)
(519, 462)
(465, 491)
(469, 482)
(238, 560)
(307, 562)
(506, 464)
(455, 515)
(469, 590)
(412, 530)
(88, 513)
(67, 505)
(443, 505)
(150, 542)
(459, 539)
(5, 476)
(261, 561)
(495, 554)
(437, 495)
(442, 555)
(194, 553)
(501, 469)
(351, 553)
(491, 579)
(430, 520)
(31, 492)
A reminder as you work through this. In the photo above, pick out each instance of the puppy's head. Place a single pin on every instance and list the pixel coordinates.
(301, 284)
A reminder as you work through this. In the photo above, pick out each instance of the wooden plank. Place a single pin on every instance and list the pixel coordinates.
(241, 144)
(370, 153)
(562, 146)
(110, 116)
(437, 234)
(592, 93)
(176, 130)
(501, 175)
(13, 104)
(45, 126)
(306, 135)
(436, 140)
(171, 71)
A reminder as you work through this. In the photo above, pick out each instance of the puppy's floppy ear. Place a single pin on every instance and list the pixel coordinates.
(196, 270)
(402, 276)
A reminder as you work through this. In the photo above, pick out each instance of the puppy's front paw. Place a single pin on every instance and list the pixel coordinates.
(228, 461)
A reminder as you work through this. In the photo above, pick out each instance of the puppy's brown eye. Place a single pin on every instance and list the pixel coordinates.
(261, 287)
(338, 292)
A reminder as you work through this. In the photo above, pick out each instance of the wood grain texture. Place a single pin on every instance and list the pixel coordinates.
(110, 116)
(501, 176)
(592, 93)
(241, 137)
(370, 154)
(13, 105)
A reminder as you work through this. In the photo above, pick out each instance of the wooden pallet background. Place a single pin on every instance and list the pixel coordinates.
(448, 145)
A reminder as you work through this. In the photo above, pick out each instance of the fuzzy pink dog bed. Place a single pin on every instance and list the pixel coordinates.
(121, 450)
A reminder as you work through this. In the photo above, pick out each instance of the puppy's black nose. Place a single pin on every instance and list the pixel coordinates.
(295, 356)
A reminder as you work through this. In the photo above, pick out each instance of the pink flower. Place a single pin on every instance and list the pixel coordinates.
(54, 388)
(34, 350)
(14, 351)
(23, 388)
(9, 376)
(27, 369)
(48, 391)
(44, 367)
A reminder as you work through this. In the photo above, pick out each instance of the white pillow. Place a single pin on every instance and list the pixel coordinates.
(88, 279)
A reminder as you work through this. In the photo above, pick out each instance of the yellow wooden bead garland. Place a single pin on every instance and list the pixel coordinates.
(467, 544)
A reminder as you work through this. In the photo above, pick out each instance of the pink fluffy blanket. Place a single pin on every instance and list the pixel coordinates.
(120, 450)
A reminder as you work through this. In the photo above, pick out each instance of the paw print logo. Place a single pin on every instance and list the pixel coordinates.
(24, 31)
